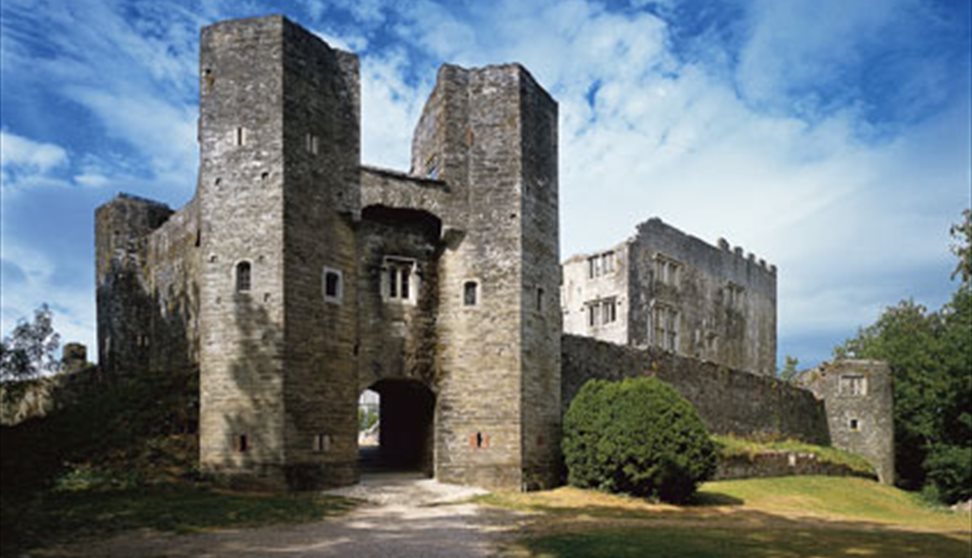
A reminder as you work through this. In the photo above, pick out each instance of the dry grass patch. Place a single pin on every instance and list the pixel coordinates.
(788, 516)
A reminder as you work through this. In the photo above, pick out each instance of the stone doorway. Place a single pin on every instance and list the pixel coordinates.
(404, 429)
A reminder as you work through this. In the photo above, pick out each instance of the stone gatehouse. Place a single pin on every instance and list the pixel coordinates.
(297, 277)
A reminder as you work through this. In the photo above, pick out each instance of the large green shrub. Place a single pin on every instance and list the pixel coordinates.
(637, 436)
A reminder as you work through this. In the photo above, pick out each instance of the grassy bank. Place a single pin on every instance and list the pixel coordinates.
(786, 516)
(731, 446)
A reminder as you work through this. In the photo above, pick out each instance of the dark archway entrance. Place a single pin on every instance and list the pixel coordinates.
(405, 429)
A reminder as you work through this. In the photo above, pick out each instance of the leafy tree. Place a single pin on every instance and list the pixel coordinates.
(930, 354)
(789, 371)
(29, 350)
(962, 232)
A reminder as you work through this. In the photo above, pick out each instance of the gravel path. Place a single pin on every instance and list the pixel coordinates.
(405, 517)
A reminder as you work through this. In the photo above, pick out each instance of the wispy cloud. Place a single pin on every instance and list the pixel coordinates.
(829, 137)
(18, 153)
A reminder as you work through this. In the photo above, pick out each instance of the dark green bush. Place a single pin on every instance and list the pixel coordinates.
(949, 470)
(637, 436)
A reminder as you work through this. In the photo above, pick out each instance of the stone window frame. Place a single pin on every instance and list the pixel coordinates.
(734, 294)
(664, 335)
(601, 264)
(463, 301)
(321, 443)
(312, 143)
(854, 424)
(238, 266)
(856, 385)
(338, 297)
(240, 136)
(395, 265)
(667, 270)
(602, 311)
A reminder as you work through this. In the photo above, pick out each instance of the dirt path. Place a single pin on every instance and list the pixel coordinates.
(405, 517)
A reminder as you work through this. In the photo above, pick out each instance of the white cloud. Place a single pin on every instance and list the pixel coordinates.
(73, 306)
(18, 152)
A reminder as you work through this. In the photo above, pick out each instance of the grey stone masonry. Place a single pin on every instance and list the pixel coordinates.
(729, 401)
(668, 289)
(296, 278)
(859, 401)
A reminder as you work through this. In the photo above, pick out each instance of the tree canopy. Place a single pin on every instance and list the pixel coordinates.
(930, 355)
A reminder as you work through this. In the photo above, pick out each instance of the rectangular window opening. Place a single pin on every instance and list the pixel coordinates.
(396, 280)
(240, 135)
(333, 285)
(665, 322)
(470, 293)
(322, 442)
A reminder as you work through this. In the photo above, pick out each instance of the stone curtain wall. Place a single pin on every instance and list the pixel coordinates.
(729, 401)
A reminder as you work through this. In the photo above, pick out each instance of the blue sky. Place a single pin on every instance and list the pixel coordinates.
(830, 137)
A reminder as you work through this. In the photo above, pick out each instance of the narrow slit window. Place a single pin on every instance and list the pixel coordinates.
(242, 444)
(333, 286)
(470, 293)
(240, 135)
(243, 277)
(311, 143)
(539, 300)
(393, 282)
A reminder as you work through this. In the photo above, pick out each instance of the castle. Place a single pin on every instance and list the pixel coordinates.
(296, 278)
(667, 289)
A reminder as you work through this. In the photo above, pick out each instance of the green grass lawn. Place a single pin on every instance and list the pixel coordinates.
(785, 517)
(55, 517)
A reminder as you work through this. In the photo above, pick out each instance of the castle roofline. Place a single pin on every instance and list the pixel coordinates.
(124, 196)
(582, 256)
(393, 173)
(505, 66)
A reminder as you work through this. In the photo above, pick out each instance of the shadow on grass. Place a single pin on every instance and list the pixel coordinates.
(58, 517)
(697, 541)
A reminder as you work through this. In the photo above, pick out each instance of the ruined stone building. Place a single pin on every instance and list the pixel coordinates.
(297, 277)
(664, 288)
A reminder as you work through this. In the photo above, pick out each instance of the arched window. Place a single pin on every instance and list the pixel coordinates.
(243, 277)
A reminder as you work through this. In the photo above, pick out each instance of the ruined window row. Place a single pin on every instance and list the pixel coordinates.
(667, 270)
(854, 385)
(602, 311)
(665, 322)
(601, 264)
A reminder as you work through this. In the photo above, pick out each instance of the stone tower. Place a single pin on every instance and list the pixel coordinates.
(491, 135)
(298, 277)
(279, 145)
